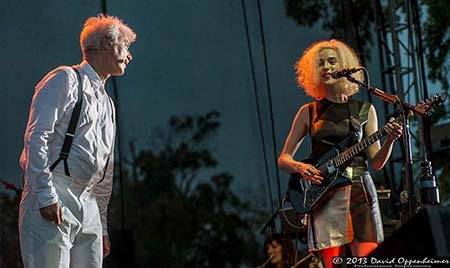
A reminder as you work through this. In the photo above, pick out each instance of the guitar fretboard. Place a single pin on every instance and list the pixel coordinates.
(426, 107)
(359, 147)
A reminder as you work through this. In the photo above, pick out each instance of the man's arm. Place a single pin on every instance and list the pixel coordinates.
(49, 103)
(102, 192)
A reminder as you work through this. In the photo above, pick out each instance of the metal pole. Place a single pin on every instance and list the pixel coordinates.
(408, 195)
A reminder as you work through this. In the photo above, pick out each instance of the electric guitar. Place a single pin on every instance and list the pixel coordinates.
(306, 196)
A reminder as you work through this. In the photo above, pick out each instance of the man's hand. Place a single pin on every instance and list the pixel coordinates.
(106, 246)
(53, 213)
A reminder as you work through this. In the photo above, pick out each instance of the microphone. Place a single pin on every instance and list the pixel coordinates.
(345, 72)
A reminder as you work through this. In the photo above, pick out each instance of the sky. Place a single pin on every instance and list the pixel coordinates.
(190, 57)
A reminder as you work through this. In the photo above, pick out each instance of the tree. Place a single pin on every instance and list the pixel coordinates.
(182, 212)
(346, 20)
(9, 233)
(437, 40)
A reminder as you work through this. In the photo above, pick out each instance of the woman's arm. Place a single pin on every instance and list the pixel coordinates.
(297, 134)
(378, 155)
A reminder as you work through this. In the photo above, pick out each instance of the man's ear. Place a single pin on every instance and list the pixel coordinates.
(107, 42)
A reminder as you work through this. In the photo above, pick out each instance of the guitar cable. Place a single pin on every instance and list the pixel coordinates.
(296, 227)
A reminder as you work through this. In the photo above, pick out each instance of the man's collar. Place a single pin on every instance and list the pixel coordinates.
(93, 76)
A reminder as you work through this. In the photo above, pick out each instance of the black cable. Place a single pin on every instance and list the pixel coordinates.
(103, 4)
(119, 153)
(359, 43)
(380, 29)
(344, 16)
(119, 149)
(423, 84)
(252, 66)
(266, 69)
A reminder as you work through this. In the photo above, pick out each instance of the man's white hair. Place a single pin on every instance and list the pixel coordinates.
(101, 26)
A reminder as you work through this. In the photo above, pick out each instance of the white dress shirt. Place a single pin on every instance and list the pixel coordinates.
(51, 109)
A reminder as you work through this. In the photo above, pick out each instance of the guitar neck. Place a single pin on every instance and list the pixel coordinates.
(348, 154)
(425, 108)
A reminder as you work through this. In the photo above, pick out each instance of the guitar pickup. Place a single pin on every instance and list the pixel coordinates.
(330, 167)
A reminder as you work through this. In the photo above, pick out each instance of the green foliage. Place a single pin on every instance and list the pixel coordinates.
(9, 233)
(437, 40)
(182, 213)
(350, 21)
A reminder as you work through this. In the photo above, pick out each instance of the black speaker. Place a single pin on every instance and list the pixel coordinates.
(426, 234)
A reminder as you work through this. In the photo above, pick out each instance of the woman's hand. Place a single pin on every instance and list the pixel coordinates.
(309, 172)
(394, 130)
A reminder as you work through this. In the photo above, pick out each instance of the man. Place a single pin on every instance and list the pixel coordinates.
(62, 219)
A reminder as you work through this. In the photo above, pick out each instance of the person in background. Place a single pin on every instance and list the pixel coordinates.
(280, 251)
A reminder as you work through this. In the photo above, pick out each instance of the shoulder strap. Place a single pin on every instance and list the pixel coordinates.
(358, 113)
(70, 134)
(311, 110)
(364, 112)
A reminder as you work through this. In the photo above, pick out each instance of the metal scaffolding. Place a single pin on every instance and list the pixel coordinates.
(402, 73)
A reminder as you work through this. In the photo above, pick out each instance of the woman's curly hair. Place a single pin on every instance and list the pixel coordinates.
(308, 76)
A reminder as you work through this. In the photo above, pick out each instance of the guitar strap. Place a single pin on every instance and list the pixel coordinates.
(358, 116)
(311, 110)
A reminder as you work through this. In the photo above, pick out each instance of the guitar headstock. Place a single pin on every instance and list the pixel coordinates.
(426, 107)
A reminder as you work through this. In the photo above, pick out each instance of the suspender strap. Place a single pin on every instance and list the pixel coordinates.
(104, 171)
(70, 134)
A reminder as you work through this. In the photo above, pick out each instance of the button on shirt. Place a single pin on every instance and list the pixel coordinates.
(51, 109)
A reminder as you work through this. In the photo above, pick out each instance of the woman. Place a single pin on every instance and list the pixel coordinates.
(279, 249)
(351, 215)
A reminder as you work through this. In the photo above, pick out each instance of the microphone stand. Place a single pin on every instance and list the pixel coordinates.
(408, 196)
(265, 263)
(302, 260)
(271, 222)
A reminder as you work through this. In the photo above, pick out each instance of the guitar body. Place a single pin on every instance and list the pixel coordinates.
(306, 196)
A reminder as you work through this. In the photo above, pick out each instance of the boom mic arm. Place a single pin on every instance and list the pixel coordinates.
(345, 72)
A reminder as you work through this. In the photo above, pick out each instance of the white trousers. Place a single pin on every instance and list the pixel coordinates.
(77, 242)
